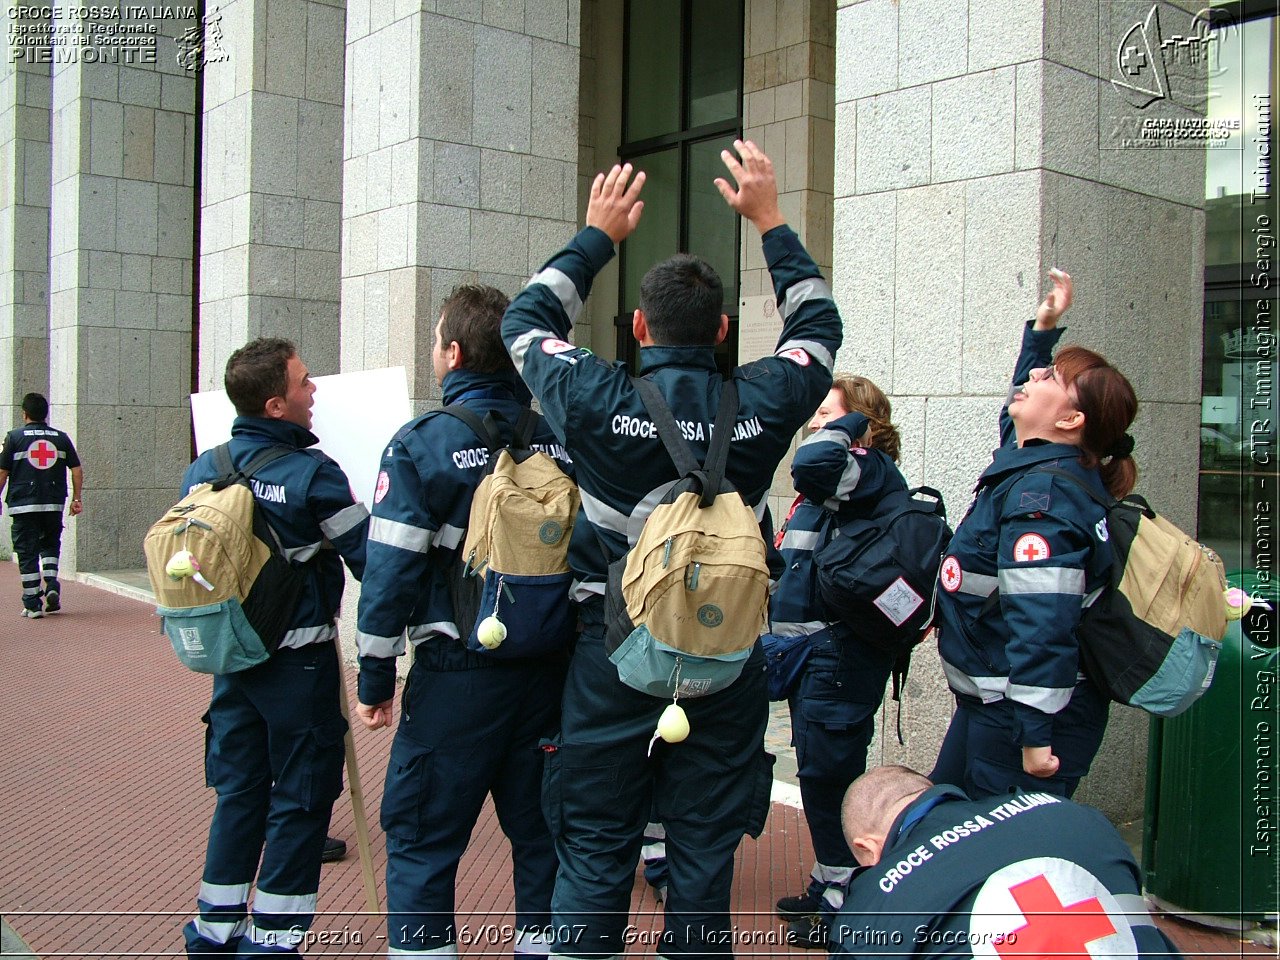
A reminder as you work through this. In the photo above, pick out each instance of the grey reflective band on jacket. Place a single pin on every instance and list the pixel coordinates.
(801, 540)
(559, 283)
(302, 636)
(26, 455)
(520, 346)
(372, 645)
(299, 554)
(603, 515)
(848, 480)
(977, 584)
(346, 519)
(36, 508)
(987, 689)
(441, 628)
(798, 294)
(1046, 699)
(1018, 580)
(781, 628)
(582, 590)
(448, 536)
(396, 534)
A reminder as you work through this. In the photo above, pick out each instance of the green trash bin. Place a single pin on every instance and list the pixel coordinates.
(1211, 837)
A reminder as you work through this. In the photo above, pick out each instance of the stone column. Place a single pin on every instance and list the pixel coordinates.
(789, 111)
(461, 151)
(975, 150)
(25, 92)
(272, 182)
(120, 275)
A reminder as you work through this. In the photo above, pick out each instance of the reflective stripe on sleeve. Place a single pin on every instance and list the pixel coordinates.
(785, 628)
(798, 294)
(1018, 580)
(448, 536)
(558, 282)
(801, 540)
(1048, 699)
(987, 689)
(373, 645)
(977, 584)
(396, 534)
(346, 519)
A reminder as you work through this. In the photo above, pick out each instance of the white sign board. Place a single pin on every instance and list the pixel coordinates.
(355, 414)
(759, 327)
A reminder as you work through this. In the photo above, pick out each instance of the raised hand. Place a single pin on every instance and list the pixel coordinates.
(756, 193)
(614, 205)
(1057, 302)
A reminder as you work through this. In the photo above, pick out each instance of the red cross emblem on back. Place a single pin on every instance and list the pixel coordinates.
(1029, 547)
(1054, 929)
(42, 454)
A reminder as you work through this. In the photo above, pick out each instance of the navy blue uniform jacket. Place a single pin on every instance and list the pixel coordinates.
(429, 474)
(1021, 875)
(1043, 542)
(622, 468)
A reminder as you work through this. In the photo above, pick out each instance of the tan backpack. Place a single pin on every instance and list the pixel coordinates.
(223, 587)
(514, 564)
(687, 603)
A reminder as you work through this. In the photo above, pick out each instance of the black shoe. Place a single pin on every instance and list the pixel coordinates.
(52, 603)
(808, 933)
(334, 849)
(793, 908)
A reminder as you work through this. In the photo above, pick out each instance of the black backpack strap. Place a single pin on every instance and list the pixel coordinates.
(721, 434)
(711, 473)
(486, 429)
(525, 427)
(222, 459)
(227, 472)
(270, 455)
(665, 422)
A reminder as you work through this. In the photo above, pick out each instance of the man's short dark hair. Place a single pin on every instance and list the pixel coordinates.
(257, 372)
(35, 406)
(472, 315)
(682, 299)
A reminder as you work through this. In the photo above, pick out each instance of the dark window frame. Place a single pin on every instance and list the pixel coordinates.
(627, 350)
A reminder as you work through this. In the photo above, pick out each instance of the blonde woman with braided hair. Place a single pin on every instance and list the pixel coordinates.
(841, 472)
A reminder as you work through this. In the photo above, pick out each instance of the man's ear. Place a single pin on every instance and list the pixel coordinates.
(640, 328)
(867, 850)
(453, 357)
(274, 409)
(724, 328)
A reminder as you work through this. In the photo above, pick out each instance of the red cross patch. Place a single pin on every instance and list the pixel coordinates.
(384, 484)
(951, 574)
(42, 454)
(1031, 546)
(555, 346)
(1048, 907)
(797, 355)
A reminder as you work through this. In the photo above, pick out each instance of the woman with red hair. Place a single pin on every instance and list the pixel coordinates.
(1026, 559)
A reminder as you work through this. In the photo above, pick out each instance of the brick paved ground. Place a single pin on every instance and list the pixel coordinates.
(103, 811)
